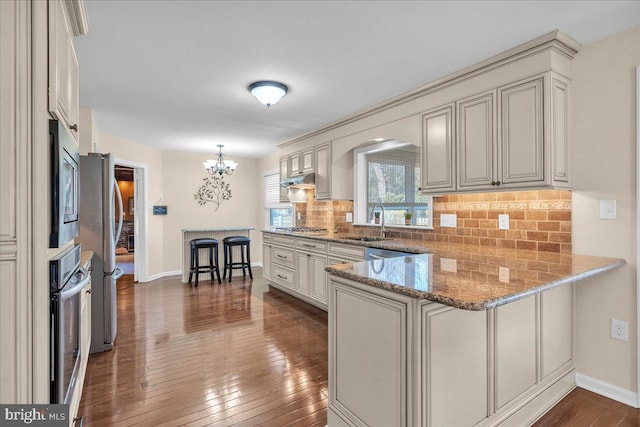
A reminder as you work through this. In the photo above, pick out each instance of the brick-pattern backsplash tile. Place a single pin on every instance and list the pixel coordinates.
(538, 220)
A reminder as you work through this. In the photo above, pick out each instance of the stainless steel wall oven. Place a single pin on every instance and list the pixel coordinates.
(67, 280)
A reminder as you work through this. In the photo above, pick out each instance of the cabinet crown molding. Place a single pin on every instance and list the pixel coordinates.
(554, 40)
(78, 18)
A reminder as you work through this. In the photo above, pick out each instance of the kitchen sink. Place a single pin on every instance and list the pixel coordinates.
(365, 238)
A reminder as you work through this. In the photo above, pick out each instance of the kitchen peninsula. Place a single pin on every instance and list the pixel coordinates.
(455, 335)
(467, 335)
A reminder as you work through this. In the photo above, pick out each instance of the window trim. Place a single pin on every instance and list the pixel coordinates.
(360, 203)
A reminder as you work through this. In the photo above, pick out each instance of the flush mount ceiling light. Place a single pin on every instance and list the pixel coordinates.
(268, 92)
(220, 165)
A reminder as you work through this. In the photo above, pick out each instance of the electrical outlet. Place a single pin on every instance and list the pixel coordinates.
(448, 220)
(503, 222)
(503, 274)
(349, 217)
(619, 330)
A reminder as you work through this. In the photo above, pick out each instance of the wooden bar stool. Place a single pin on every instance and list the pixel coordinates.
(195, 267)
(245, 254)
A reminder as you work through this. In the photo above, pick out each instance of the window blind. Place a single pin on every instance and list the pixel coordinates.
(272, 192)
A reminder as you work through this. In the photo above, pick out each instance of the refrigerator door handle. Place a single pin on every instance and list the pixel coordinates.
(121, 210)
(119, 272)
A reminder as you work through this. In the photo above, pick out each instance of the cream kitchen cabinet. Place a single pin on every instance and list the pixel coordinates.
(513, 137)
(296, 265)
(426, 361)
(284, 174)
(266, 256)
(312, 279)
(63, 68)
(301, 162)
(437, 172)
(322, 154)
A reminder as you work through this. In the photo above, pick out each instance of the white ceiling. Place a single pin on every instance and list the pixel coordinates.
(173, 74)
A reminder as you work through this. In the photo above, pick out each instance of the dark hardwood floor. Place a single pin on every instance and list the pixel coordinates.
(238, 354)
(584, 408)
(231, 354)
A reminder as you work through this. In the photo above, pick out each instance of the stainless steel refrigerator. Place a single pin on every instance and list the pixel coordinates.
(99, 232)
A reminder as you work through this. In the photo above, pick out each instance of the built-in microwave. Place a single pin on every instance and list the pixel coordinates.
(65, 188)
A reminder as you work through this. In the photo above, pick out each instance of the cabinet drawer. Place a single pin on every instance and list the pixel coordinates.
(354, 252)
(311, 245)
(283, 256)
(266, 237)
(284, 276)
(283, 240)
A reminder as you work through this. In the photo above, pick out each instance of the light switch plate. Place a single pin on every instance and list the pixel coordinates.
(449, 264)
(503, 222)
(349, 217)
(607, 209)
(448, 220)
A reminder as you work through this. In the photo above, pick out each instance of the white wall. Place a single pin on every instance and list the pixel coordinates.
(603, 154)
(182, 174)
(139, 153)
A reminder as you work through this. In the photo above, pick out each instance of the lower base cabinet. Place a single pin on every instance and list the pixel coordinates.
(396, 360)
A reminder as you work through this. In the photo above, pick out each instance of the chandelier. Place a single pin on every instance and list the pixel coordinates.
(220, 165)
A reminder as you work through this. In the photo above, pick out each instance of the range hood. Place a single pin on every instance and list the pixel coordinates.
(301, 181)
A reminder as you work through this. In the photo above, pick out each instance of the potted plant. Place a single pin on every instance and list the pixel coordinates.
(376, 217)
(407, 218)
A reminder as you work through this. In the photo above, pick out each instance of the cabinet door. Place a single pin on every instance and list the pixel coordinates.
(437, 154)
(295, 164)
(284, 174)
(323, 171)
(318, 277)
(560, 130)
(266, 261)
(515, 350)
(455, 359)
(306, 160)
(521, 134)
(476, 142)
(63, 69)
(303, 267)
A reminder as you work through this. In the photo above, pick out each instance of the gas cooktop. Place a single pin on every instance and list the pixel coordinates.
(302, 229)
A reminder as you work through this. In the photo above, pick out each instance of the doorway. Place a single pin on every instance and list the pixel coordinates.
(133, 239)
(125, 246)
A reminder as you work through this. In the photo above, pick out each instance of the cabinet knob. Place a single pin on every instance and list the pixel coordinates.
(74, 128)
(498, 183)
(88, 291)
(493, 183)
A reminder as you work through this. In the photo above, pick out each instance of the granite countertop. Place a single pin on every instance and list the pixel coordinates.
(469, 277)
(195, 230)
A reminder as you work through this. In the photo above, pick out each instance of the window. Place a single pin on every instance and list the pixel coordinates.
(277, 214)
(389, 175)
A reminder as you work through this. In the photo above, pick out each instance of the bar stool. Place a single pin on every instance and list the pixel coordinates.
(194, 267)
(245, 248)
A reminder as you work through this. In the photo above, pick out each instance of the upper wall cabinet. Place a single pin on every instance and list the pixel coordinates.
(322, 154)
(301, 162)
(515, 136)
(63, 68)
(284, 174)
(438, 151)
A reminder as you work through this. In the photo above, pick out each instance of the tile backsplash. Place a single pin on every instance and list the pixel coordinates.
(538, 220)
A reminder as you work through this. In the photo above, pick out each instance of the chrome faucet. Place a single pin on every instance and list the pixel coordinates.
(383, 231)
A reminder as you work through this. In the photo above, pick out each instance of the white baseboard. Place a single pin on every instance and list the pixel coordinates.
(161, 275)
(256, 264)
(607, 390)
